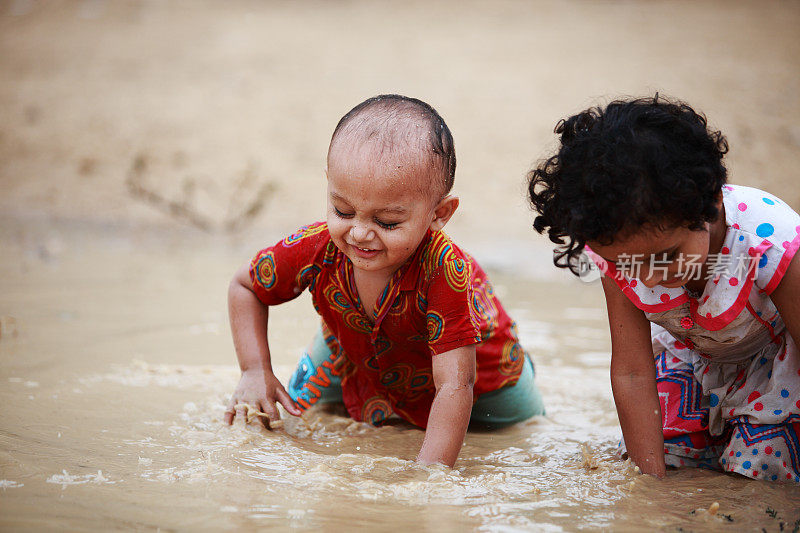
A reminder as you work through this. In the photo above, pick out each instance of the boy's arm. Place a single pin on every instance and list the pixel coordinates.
(633, 381)
(786, 298)
(454, 376)
(258, 385)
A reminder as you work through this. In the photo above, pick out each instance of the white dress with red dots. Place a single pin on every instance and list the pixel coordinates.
(728, 370)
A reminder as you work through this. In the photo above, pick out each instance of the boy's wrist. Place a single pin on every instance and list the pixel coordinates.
(255, 370)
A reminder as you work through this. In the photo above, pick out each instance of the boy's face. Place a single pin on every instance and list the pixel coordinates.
(379, 207)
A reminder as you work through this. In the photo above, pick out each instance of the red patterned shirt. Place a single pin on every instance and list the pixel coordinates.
(438, 300)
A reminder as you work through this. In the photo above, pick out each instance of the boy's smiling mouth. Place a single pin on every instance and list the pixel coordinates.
(364, 253)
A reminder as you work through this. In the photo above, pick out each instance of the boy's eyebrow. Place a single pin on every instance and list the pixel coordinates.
(398, 210)
(338, 197)
(393, 209)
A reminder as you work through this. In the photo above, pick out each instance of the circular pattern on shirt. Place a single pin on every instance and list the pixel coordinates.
(304, 232)
(421, 385)
(376, 410)
(435, 323)
(421, 380)
(456, 273)
(485, 310)
(382, 345)
(372, 363)
(265, 270)
(396, 376)
(422, 302)
(357, 321)
(765, 230)
(399, 305)
(336, 298)
(308, 277)
(511, 358)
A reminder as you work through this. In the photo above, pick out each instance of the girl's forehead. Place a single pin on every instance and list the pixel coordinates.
(644, 240)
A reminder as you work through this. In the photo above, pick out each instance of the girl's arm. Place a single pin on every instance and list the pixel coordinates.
(453, 375)
(258, 386)
(786, 298)
(633, 381)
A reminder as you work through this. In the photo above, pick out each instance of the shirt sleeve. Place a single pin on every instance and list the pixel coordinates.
(283, 271)
(451, 317)
(779, 227)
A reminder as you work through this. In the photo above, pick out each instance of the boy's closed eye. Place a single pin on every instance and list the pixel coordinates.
(342, 214)
(379, 222)
(387, 225)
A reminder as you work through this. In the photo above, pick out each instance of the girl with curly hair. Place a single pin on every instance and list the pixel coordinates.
(699, 278)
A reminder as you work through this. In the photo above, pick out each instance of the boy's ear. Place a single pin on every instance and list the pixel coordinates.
(443, 211)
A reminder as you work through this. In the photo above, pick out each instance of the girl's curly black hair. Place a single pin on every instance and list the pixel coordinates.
(646, 161)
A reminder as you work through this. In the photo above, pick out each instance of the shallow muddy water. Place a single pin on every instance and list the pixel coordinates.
(116, 364)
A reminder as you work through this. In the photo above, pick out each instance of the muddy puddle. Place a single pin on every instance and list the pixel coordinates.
(116, 363)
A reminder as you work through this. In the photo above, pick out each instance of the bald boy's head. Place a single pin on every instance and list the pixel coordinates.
(403, 131)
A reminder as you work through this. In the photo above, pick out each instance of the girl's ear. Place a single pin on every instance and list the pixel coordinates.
(443, 211)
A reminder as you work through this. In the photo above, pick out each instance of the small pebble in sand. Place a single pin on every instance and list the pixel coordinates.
(712, 510)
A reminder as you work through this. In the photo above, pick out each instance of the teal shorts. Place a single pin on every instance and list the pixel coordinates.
(494, 409)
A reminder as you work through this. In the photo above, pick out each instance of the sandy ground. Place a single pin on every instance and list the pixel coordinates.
(225, 107)
(148, 148)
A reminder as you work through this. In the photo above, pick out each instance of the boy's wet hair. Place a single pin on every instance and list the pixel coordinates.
(646, 161)
(391, 110)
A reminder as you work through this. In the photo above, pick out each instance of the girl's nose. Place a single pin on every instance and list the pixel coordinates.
(653, 276)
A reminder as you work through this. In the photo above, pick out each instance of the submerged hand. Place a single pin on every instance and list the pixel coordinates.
(260, 390)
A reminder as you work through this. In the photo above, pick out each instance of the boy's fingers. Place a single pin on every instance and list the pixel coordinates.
(241, 413)
(288, 403)
(230, 412)
(263, 407)
(268, 407)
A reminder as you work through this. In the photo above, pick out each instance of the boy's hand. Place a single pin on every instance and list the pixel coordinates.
(454, 376)
(261, 390)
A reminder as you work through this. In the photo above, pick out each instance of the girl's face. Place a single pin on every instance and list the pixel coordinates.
(668, 257)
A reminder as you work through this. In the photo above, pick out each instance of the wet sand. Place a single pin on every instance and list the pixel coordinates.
(148, 149)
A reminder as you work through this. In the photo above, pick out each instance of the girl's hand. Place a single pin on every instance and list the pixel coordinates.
(261, 389)
(633, 382)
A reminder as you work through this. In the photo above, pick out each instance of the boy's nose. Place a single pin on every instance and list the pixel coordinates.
(360, 233)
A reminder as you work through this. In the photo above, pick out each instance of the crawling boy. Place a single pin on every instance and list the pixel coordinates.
(410, 324)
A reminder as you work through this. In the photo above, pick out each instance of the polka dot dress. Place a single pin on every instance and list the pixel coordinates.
(728, 371)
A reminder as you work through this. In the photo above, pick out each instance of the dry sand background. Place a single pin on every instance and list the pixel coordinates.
(220, 108)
